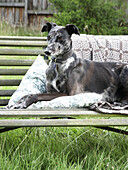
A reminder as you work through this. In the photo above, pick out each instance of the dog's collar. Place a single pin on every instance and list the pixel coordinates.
(62, 59)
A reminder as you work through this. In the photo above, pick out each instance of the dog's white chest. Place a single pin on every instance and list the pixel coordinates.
(67, 63)
(54, 84)
(57, 73)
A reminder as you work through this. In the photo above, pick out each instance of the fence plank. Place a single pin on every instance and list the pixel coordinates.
(35, 4)
(9, 4)
(44, 12)
(25, 13)
(17, 11)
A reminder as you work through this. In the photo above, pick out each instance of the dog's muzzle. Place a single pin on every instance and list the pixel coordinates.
(47, 52)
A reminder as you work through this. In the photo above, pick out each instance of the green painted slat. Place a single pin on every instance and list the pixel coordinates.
(13, 71)
(16, 62)
(23, 43)
(22, 52)
(21, 38)
(6, 92)
(10, 82)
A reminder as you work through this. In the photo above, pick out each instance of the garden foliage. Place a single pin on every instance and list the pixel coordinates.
(91, 16)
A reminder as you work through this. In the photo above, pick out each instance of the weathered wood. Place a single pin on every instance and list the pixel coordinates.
(13, 71)
(4, 102)
(10, 82)
(17, 18)
(25, 13)
(9, 4)
(62, 122)
(23, 52)
(23, 38)
(6, 92)
(44, 4)
(23, 43)
(17, 12)
(44, 12)
(16, 62)
(54, 113)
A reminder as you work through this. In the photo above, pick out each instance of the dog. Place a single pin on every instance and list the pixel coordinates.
(69, 75)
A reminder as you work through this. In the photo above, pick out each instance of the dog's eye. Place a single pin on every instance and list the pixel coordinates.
(48, 38)
(59, 38)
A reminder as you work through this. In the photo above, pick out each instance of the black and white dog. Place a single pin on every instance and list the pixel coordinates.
(69, 75)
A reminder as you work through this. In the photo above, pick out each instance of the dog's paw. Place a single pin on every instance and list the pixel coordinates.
(18, 105)
(102, 104)
(23, 103)
(93, 106)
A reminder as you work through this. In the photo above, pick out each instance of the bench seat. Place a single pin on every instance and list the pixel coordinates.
(16, 56)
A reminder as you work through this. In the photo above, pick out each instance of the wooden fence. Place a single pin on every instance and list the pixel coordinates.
(25, 12)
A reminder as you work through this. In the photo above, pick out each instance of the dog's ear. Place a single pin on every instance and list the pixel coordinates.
(72, 29)
(48, 26)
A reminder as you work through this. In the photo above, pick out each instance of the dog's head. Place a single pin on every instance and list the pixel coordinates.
(59, 38)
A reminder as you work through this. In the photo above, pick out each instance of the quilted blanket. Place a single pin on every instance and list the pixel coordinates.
(101, 48)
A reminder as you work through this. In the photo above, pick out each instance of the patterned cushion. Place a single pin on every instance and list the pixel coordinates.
(33, 82)
(76, 101)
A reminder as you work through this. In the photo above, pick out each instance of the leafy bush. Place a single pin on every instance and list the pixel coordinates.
(91, 16)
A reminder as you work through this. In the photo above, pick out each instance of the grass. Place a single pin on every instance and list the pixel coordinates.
(60, 148)
(63, 148)
(7, 30)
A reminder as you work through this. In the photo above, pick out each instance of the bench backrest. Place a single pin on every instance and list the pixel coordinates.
(16, 55)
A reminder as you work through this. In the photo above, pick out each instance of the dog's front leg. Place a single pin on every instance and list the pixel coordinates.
(27, 100)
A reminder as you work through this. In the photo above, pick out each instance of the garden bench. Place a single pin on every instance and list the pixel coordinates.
(15, 68)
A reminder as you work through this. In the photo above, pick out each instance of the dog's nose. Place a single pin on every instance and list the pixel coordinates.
(48, 53)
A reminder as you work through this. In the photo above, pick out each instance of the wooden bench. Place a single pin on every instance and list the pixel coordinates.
(14, 63)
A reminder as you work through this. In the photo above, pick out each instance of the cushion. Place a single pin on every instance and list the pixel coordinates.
(76, 101)
(33, 82)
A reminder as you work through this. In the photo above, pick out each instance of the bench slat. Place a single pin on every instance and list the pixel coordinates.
(10, 82)
(55, 113)
(13, 71)
(6, 92)
(23, 43)
(4, 102)
(21, 38)
(22, 52)
(62, 122)
(16, 62)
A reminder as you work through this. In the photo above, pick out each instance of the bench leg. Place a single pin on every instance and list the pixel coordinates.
(113, 130)
(120, 131)
(6, 129)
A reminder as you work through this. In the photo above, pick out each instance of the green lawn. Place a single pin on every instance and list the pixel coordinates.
(63, 149)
